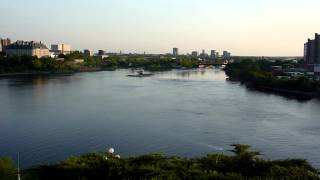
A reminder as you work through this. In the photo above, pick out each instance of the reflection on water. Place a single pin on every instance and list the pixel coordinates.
(39, 81)
(196, 74)
(180, 112)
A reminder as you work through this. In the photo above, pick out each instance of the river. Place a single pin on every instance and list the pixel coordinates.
(181, 112)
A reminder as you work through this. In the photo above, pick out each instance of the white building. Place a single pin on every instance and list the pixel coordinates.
(58, 49)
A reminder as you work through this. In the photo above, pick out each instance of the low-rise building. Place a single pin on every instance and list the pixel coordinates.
(101, 52)
(88, 52)
(28, 48)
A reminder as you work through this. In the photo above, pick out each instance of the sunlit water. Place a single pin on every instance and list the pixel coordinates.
(181, 112)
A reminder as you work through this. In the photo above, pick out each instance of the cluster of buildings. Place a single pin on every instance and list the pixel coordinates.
(214, 55)
(33, 48)
(38, 49)
(310, 68)
(101, 53)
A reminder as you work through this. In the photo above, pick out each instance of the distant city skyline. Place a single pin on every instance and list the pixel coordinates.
(243, 27)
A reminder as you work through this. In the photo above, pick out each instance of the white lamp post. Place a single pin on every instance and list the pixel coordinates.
(111, 150)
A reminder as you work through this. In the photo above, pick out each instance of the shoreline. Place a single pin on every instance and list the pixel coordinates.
(279, 91)
(243, 164)
(18, 74)
(249, 85)
(33, 73)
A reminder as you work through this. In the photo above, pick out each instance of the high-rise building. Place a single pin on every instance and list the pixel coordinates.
(204, 55)
(194, 54)
(175, 52)
(312, 51)
(213, 54)
(58, 49)
(213, 57)
(28, 48)
(217, 55)
(203, 52)
(4, 44)
(226, 55)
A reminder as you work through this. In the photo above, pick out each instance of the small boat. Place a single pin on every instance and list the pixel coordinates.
(140, 74)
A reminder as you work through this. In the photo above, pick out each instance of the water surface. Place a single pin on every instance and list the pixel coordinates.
(181, 112)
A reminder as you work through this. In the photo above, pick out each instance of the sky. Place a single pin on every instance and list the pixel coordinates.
(243, 27)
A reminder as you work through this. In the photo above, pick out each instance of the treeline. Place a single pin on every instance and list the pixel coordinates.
(20, 64)
(258, 74)
(245, 164)
(153, 63)
(25, 64)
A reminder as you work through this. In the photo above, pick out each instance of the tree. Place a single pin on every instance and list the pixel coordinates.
(7, 169)
(37, 64)
(187, 62)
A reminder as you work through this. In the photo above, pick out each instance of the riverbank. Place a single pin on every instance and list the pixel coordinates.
(285, 92)
(79, 62)
(75, 114)
(30, 73)
(244, 164)
(301, 95)
(258, 75)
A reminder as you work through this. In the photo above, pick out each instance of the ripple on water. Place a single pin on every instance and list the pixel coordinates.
(189, 113)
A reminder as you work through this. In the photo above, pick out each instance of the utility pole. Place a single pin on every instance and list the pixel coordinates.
(19, 178)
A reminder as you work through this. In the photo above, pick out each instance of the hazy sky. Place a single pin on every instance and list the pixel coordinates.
(244, 27)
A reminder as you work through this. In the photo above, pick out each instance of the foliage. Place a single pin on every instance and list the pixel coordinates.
(155, 63)
(74, 55)
(258, 74)
(245, 164)
(152, 63)
(188, 62)
(7, 169)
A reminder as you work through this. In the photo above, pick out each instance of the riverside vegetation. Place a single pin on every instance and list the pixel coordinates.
(258, 74)
(29, 64)
(244, 164)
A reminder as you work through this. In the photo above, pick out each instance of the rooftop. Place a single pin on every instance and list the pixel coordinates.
(27, 45)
